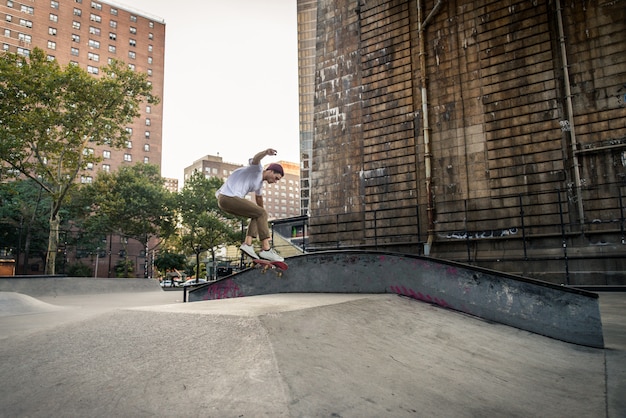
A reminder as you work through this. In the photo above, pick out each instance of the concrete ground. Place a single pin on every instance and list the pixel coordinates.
(144, 353)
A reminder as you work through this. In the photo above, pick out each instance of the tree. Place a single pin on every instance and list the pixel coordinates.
(23, 219)
(204, 226)
(133, 203)
(168, 260)
(51, 117)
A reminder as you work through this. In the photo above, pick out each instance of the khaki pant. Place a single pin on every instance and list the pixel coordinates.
(243, 207)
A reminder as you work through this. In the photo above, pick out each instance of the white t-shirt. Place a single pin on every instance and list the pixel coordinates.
(243, 181)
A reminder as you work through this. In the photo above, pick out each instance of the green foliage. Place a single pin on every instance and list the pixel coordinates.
(124, 268)
(204, 225)
(51, 117)
(24, 212)
(131, 202)
(79, 270)
(169, 260)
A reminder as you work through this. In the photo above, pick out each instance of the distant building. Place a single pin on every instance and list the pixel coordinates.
(171, 184)
(307, 31)
(90, 34)
(281, 200)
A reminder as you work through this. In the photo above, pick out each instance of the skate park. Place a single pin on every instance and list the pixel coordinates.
(342, 333)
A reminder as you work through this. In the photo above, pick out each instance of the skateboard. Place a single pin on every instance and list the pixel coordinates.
(277, 266)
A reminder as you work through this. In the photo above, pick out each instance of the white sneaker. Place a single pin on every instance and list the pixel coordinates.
(270, 255)
(248, 250)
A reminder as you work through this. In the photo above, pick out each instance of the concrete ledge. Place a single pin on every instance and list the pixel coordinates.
(566, 314)
(60, 285)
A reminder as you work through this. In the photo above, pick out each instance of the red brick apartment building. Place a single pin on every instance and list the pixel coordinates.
(89, 34)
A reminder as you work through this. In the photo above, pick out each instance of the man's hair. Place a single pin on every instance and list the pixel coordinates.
(276, 168)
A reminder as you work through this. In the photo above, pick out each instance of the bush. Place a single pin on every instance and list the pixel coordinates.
(79, 270)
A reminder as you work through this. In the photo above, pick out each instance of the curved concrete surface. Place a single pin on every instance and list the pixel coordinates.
(145, 353)
(17, 304)
(555, 311)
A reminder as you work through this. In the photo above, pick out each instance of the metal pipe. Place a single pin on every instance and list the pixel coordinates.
(570, 115)
(426, 127)
(432, 13)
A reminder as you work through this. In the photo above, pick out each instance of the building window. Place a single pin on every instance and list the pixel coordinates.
(54, 4)
(93, 57)
(94, 30)
(113, 24)
(146, 147)
(52, 31)
(146, 160)
(95, 18)
(150, 48)
(7, 33)
(113, 11)
(106, 154)
(132, 42)
(77, 12)
(86, 179)
(112, 49)
(74, 51)
(128, 157)
(148, 122)
(24, 38)
(133, 18)
(94, 44)
(150, 36)
(148, 109)
(133, 30)
(131, 67)
(75, 38)
(96, 6)
(27, 9)
(129, 131)
(52, 45)
(53, 18)
(8, 18)
(26, 23)
(112, 36)
(76, 25)
(150, 72)
(147, 134)
(23, 51)
(9, 3)
(129, 144)
(92, 70)
(106, 168)
(151, 24)
(132, 55)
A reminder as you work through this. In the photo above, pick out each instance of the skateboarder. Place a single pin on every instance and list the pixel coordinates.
(231, 198)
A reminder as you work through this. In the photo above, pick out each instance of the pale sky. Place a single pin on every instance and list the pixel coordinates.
(231, 79)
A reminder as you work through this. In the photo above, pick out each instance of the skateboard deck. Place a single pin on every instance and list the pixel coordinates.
(278, 266)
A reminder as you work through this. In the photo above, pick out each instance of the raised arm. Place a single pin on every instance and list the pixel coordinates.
(256, 160)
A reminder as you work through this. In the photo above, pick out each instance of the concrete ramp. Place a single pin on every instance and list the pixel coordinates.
(61, 286)
(17, 304)
(566, 314)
